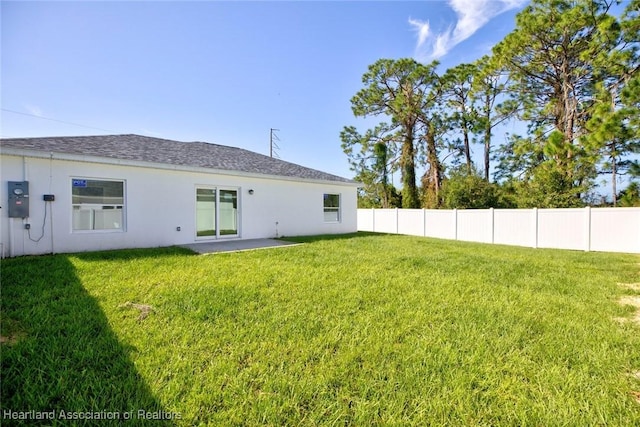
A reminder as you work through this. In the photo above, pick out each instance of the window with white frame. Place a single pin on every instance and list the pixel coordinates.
(331, 208)
(97, 204)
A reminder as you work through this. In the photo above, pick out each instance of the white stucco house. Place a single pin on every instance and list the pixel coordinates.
(73, 194)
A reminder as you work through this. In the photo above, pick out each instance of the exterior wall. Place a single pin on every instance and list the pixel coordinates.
(157, 201)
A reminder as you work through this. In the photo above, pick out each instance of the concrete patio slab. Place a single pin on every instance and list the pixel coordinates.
(236, 245)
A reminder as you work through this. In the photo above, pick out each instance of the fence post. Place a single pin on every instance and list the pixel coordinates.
(493, 225)
(373, 219)
(397, 221)
(535, 228)
(455, 224)
(424, 223)
(587, 229)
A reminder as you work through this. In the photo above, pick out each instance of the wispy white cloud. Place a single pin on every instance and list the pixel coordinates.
(422, 29)
(471, 16)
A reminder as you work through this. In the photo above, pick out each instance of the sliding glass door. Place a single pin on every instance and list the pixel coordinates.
(216, 212)
(205, 212)
(228, 212)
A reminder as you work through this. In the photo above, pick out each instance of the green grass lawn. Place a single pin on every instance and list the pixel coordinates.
(365, 330)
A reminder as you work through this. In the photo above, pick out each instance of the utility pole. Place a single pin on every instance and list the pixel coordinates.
(273, 138)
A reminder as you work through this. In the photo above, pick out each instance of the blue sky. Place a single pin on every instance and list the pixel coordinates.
(223, 72)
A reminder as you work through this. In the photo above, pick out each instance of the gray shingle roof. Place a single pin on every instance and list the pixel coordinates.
(157, 150)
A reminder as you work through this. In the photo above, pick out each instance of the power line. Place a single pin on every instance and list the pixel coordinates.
(56, 120)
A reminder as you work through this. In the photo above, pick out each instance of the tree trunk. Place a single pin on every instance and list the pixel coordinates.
(467, 147)
(465, 134)
(380, 151)
(614, 172)
(487, 136)
(614, 165)
(410, 198)
(434, 173)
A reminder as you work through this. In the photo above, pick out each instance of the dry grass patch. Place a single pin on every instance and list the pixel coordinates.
(11, 339)
(632, 300)
(144, 309)
(632, 286)
(635, 302)
(12, 332)
(636, 394)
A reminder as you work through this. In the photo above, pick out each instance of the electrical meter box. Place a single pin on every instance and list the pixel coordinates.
(18, 199)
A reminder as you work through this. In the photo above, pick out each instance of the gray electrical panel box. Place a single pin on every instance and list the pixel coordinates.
(18, 199)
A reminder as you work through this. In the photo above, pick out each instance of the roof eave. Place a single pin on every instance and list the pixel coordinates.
(165, 166)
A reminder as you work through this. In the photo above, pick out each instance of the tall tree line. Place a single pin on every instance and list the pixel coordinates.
(569, 71)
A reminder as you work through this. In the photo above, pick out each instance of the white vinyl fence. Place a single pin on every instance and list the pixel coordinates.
(588, 229)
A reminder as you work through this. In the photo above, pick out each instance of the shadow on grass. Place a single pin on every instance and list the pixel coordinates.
(322, 237)
(132, 254)
(60, 354)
